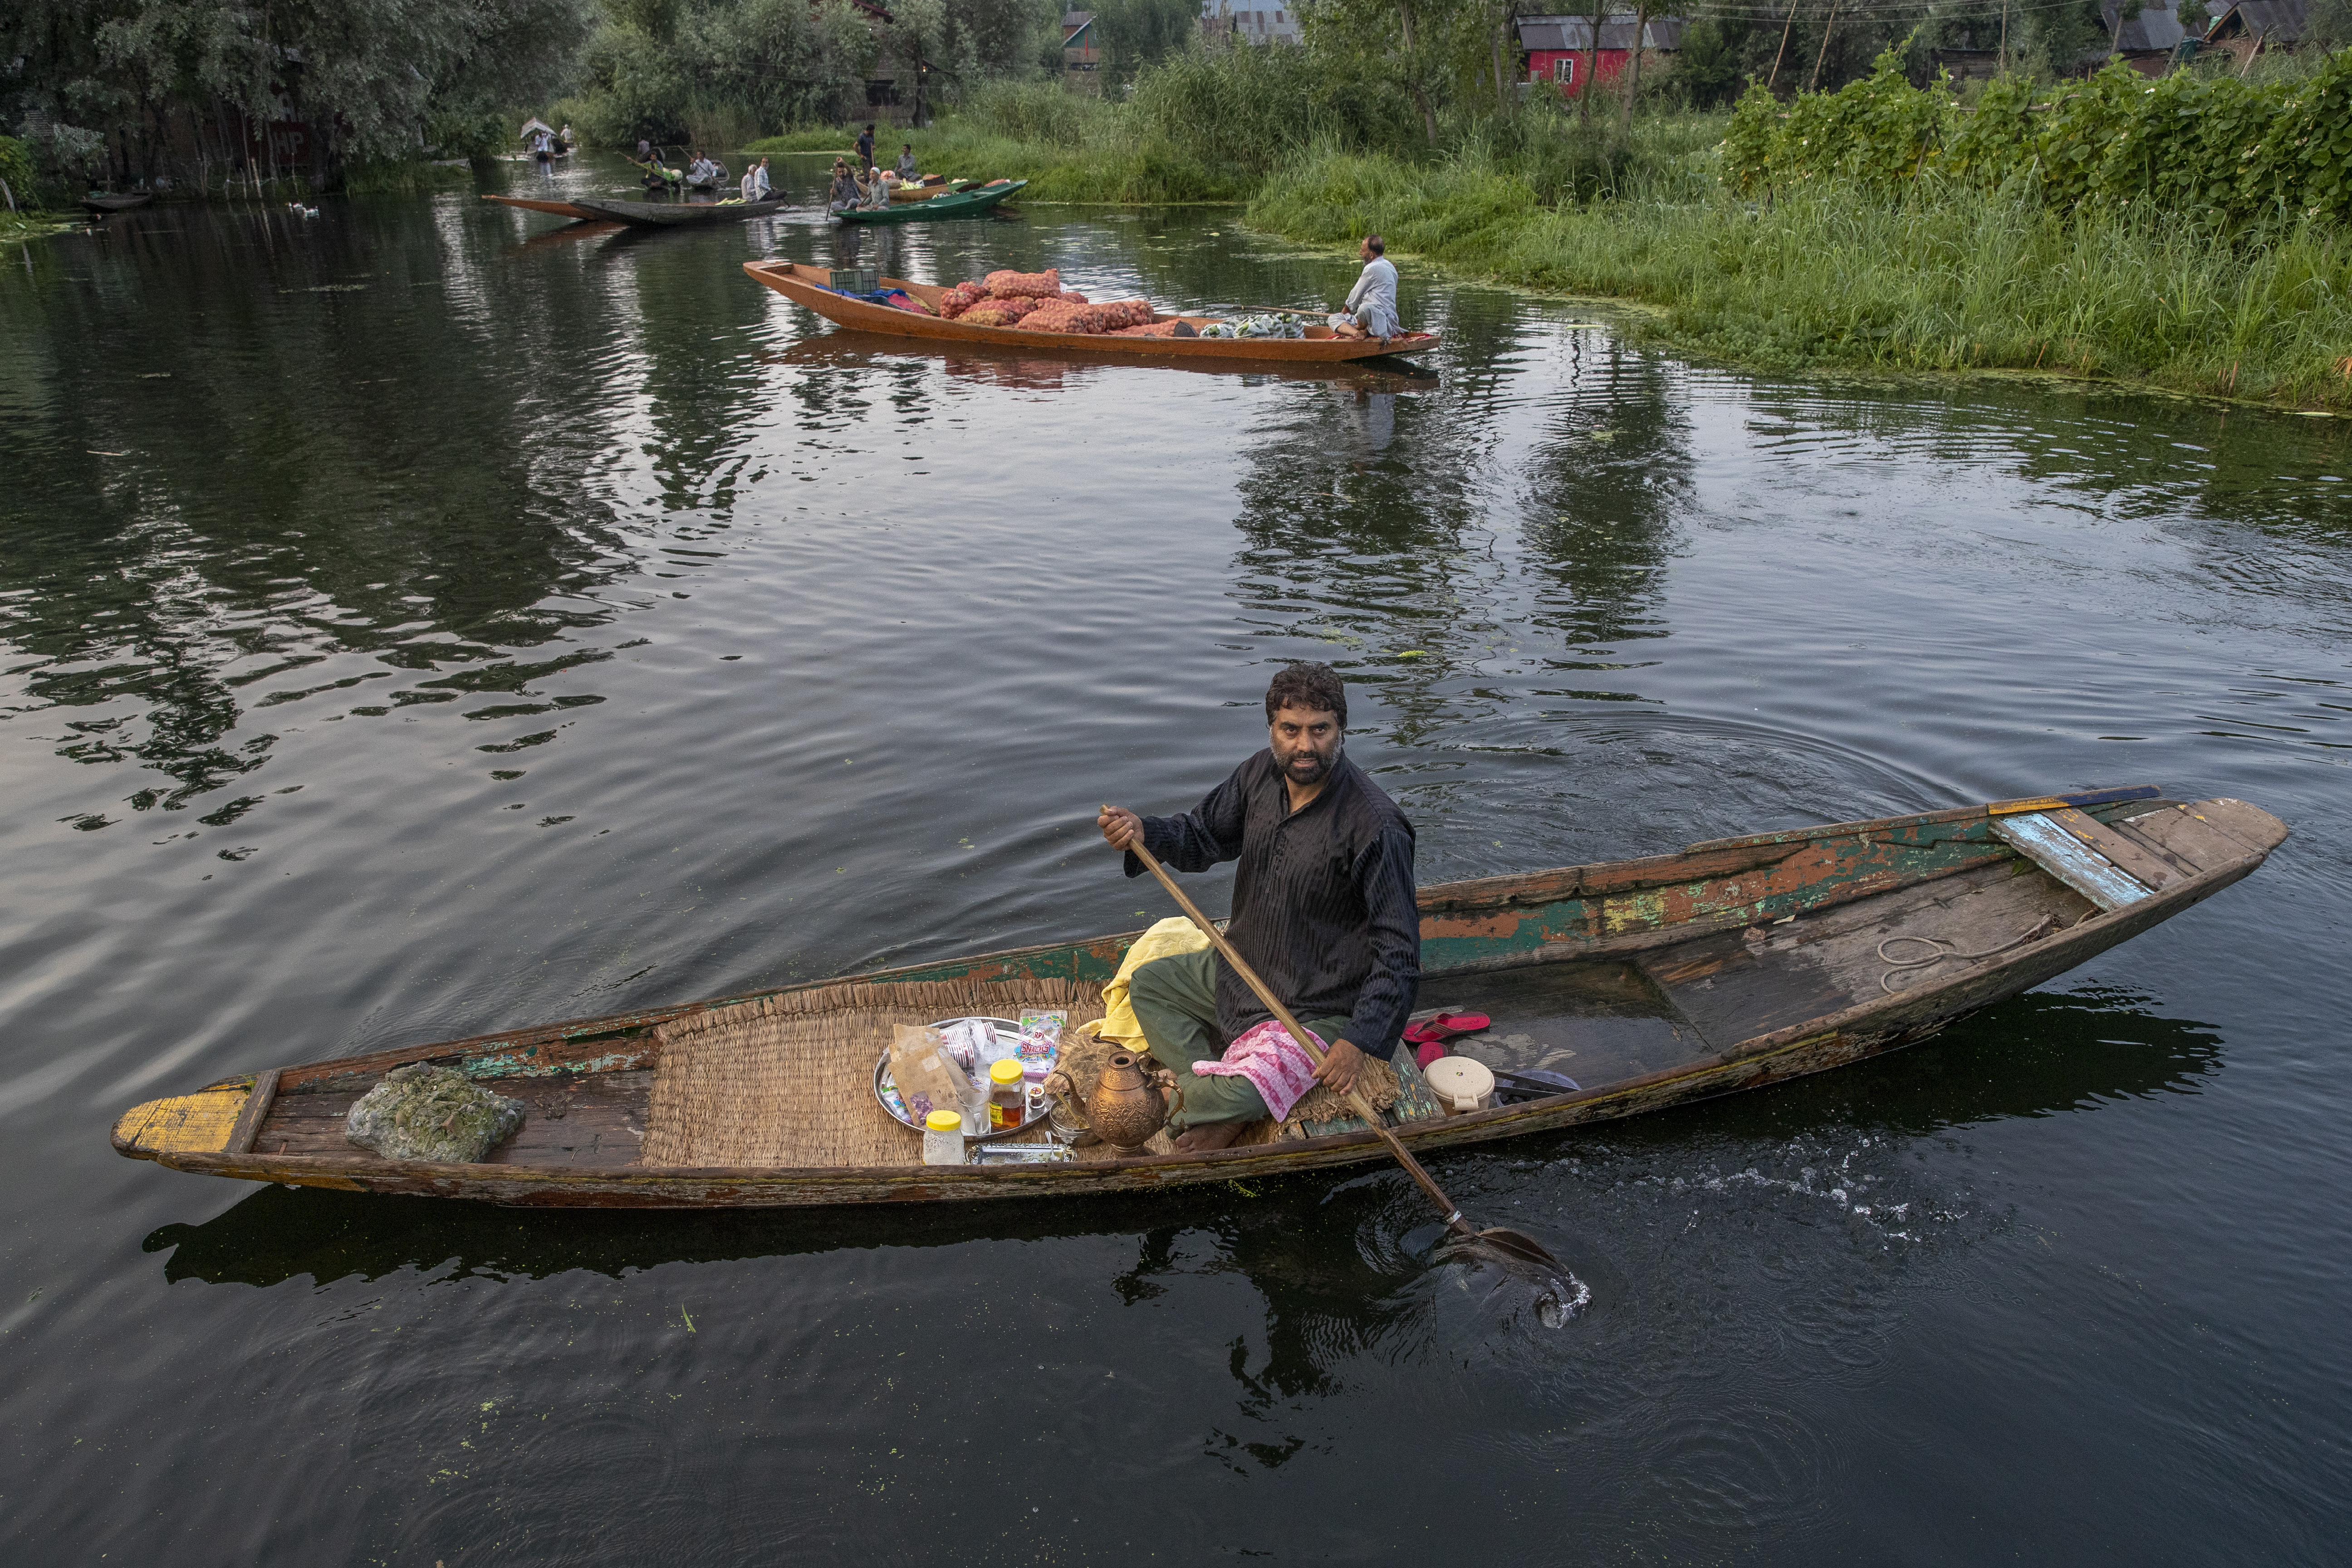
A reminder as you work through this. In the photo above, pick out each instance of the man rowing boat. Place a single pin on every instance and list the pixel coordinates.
(1323, 909)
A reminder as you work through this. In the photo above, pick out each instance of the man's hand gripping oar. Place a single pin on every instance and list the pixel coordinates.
(1508, 1246)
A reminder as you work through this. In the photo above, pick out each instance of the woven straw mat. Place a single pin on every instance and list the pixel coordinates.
(788, 1080)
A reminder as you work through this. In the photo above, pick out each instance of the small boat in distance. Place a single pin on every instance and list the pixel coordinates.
(969, 203)
(1734, 964)
(675, 215)
(104, 202)
(534, 204)
(812, 287)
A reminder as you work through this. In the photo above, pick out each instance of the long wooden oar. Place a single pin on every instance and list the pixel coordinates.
(1513, 1246)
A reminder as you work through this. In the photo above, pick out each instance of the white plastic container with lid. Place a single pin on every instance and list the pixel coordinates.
(944, 1138)
(1461, 1085)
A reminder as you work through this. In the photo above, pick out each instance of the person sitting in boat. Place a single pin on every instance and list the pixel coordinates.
(875, 188)
(908, 169)
(843, 193)
(698, 172)
(1371, 308)
(755, 183)
(1323, 909)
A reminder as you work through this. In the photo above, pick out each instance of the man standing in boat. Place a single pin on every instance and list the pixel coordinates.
(1323, 909)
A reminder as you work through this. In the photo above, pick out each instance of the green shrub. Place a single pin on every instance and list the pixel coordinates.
(17, 169)
(2218, 149)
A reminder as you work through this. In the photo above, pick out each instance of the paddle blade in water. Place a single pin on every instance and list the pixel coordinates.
(1518, 1257)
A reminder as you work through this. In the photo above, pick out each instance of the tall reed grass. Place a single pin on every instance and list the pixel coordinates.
(1948, 278)
(1069, 149)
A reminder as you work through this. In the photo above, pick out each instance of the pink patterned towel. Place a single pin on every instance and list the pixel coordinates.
(1272, 1061)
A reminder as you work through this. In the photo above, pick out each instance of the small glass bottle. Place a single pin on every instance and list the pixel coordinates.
(944, 1138)
(1008, 1096)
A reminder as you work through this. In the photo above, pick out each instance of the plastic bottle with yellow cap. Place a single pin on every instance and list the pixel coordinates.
(944, 1138)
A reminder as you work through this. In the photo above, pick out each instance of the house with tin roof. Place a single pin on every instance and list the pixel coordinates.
(1567, 52)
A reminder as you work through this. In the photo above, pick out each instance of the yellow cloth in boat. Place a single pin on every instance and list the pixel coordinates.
(1166, 940)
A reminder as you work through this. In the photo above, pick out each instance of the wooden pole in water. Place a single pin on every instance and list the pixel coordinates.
(1826, 28)
(2000, 61)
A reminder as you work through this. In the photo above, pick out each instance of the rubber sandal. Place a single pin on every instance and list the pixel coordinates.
(1445, 1026)
(1428, 1037)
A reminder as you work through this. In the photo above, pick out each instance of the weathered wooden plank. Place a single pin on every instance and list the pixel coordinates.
(250, 1115)
(2078, 797)
(2251, 826)
(1928, 818)
(2145, 865)
(2190, 832)
(2070, 860)
(2179, 862)
(183, 1124)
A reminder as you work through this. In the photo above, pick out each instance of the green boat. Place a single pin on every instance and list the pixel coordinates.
(964, 203)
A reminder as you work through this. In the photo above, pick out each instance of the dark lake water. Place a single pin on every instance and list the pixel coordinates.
(427, 619)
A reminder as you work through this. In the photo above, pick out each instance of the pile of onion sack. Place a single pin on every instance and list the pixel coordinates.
(1037, 302)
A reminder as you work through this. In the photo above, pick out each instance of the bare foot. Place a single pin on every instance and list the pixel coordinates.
(1206, 1140)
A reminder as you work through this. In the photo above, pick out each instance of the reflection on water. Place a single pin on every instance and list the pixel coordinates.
(431, 617)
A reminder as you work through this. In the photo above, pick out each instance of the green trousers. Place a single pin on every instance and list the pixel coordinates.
(1175, 1000)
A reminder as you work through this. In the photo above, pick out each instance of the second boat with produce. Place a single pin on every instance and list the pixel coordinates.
(986, 312)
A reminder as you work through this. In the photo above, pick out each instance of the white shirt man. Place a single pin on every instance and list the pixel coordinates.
(1373, 301)
(755, 182)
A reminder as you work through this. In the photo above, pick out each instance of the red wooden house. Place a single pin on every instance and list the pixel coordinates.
(1563, 51)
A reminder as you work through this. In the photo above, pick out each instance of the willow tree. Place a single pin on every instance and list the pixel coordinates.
(140, 82)
(1432, 51)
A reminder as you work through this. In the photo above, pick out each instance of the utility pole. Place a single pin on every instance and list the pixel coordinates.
(1785, 25)
(1825, 47)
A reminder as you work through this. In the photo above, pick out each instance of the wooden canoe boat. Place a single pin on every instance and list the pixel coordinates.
(1051, 369)
(925, 187)
(956, 204)
(533, 205)
(1731, 965)
(102, 203)
(671, 214)
(811, 286)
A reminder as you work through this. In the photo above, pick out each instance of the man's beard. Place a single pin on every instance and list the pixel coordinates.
(1318, 765)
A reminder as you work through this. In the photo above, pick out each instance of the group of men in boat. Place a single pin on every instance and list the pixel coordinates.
(868, 185)
(1323, 909)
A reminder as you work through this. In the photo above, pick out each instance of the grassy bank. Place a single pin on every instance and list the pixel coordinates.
(1940, 273)
(32, 224)
(1104, 171)
(1069, 149)
(1944, 278)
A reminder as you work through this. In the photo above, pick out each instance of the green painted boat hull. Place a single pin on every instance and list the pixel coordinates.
(971, 204)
